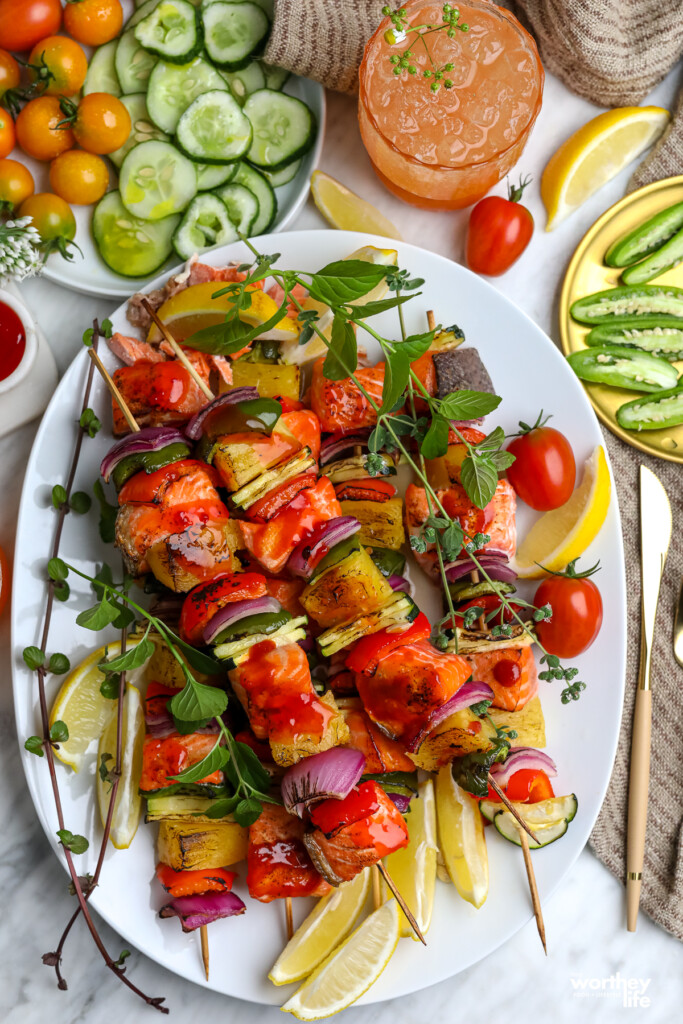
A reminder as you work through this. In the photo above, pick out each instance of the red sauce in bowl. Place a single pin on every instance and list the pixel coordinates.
(12, 341)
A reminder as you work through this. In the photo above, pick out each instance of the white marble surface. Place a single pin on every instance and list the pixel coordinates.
(590, 951)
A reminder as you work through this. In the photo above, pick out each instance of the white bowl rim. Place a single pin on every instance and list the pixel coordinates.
(31, 348)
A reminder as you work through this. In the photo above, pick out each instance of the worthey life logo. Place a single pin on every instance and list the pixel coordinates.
(631, 991)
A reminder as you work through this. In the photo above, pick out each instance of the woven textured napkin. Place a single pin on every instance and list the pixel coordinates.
(612, 53)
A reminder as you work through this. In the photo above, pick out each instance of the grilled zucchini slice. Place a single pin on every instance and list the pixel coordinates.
(399, 609)
(237, 650)
(161, 808)
(472, 641)
(257, 489)
(355, 467)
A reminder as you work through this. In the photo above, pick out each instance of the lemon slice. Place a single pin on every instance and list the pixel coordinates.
(82, 707)
(563, 534)
(461, 838)
(594, 154)
(343, 209)
(292, 352)
(126, 817)
(351, 969)
(413, 868)
(196, 308)
(322, 931)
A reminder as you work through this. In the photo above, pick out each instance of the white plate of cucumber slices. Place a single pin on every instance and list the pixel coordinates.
(220, 143)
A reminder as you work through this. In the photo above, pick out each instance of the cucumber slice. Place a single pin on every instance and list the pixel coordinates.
(242, 83)
(267, 6)
(665, 258)
(130, 246)
(101, 76)
(509, 829)
(638, 300)
(646, 238)
(133, 63)
(172, 87)
(660, 336)
(142, 9)
(232, 32)
(205, 224)
(263, 190)
(156, 180)
(623, 368)
(653, 412)
(275, 77)
(142, 129)
(242, 206)
(172, 31)
(210, 176)
(287, 174)
(538, 815)
(214, 129)
(284, 129)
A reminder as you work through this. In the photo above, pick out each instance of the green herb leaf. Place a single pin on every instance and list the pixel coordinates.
(213, 762)
(134, 657)
(58, 496)
(57, 569)
(88, 337)
(471, 771)
(367, 309)
(480, 479)
(247, 811)
(34, 745)
(415, 345)
(106, 328)
(62, 591)
(108, 514)
(74, 843)
(196, 702)
(451, 541)
(59, 664)
(436, 438)
(222, 808)
(197, 659)
(123, 956)
(344, 281)
(234, 334)
(59, 732)
(468, 405)
(89, 422)
(342, 356)
(99, 616)
(245, 764)
(501, 460)
(110, 687)
(34, 657)
(80, 502)
(396, 375)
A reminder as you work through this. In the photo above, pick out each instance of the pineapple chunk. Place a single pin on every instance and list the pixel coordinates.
(187, 846)
(528, 723)
(352, 587)
(241, 458)
(272, 379)
(451, 739)
(180, 561)
(381, 522)
(336, 734)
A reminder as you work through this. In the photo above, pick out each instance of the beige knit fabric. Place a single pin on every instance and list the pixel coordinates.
(612, 52)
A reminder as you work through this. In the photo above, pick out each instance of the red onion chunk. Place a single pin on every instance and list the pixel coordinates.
(238, 610)
(520, 758)
(334, 445)
(329, 775)
(194, 427)
(402, 801)
(497, 568)
(399, 583)
(309, 552)
(195, 911)
(464, 424)
(469, 693)
(150, 439)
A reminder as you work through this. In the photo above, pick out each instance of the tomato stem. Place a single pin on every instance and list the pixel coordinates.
(570, 572)
(515, 192)
(524, 428)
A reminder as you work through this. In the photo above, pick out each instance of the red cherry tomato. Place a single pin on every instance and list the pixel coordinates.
(529, 785)
(544, 471)
(498, 232)
(23, 23)
(577, 613)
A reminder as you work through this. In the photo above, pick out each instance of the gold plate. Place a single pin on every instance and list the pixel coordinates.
(587, 273)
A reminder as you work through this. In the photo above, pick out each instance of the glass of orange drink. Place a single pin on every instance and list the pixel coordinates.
(449, 94)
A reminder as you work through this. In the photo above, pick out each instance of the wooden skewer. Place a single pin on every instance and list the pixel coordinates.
(289, 916)
(178, 352)
(431, 320)
(132, 423)
(401, 902)
(128, 416)
(515, 814)
(376, 887)
(535, 899)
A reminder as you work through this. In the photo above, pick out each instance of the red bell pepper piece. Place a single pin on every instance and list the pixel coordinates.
(372, 489)
(528, 786)
(369, 651)
(202, 603)
(273, 502)
(193, 883)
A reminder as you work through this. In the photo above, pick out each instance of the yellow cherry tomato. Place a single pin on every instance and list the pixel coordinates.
(60, 63)
(16, 183)
(93, 22)
(37, 131)
(78, 177)
(100, 123)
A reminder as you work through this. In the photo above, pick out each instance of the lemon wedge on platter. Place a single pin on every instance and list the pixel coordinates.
(128, 806)
(197, 307)
(413, 868)
(461, 838)
(345, 210)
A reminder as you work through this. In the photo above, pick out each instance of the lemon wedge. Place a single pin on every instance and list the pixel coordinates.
(325, 927)
(292, 352)
(461, 838)
(82, 707)
(197, 307)
(413, 869)
(563, 534)
(351, 969)
(343, 209)
(126, 817)
(594, 154)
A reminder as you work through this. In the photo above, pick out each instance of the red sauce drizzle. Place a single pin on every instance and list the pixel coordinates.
(12, 341)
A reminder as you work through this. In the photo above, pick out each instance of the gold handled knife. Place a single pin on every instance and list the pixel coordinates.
(655, 534)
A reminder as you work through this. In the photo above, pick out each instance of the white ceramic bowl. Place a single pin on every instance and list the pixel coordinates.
(31, 348)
